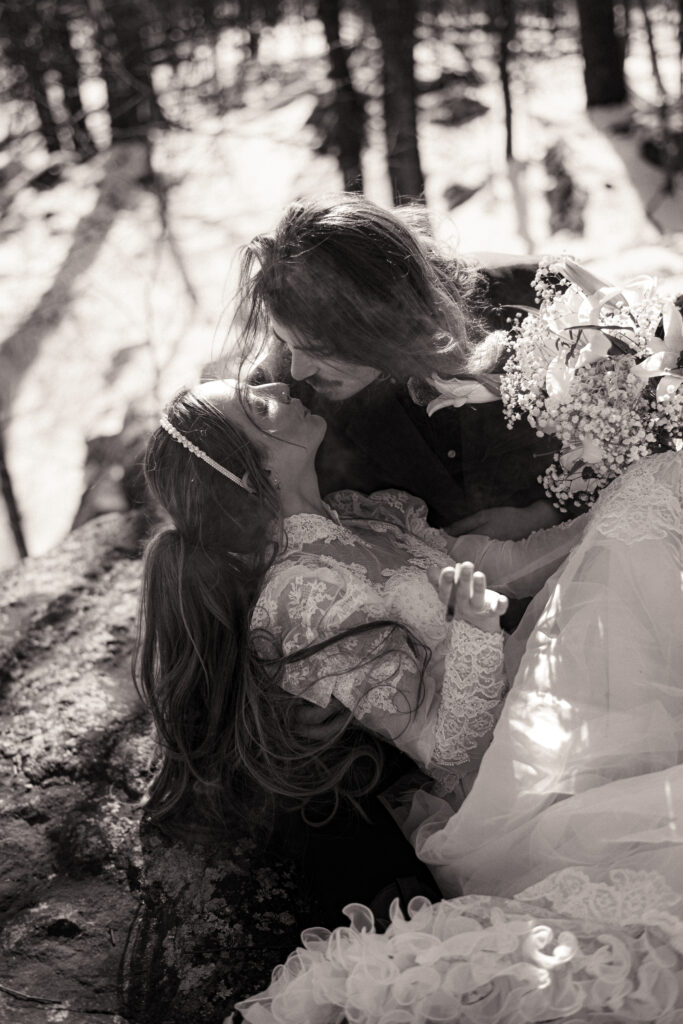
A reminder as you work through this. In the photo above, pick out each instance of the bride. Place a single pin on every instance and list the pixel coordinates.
(561, 825)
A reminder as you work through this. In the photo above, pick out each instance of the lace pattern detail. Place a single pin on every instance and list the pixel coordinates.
(394, 507)
(306, 527)
(473, 690)
(626, 897)
(371, 566)
(653, 501)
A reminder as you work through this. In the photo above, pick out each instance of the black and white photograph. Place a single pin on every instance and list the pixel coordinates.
(341, 511)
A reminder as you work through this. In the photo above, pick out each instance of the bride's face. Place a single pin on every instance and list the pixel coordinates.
(272, 419)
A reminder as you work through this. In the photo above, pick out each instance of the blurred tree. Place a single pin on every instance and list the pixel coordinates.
(22, 46)
(7, 491)
(255, 15)
(65, 61)
(122, 27)
(502, 18)
(395, 25)
(35, 40)
(346, 133)
(603, 53)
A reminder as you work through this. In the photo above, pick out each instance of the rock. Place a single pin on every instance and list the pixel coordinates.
(113, 468)
(96, 915)
(211, 926)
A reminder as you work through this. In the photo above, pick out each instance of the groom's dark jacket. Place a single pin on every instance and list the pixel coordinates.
(459, 460)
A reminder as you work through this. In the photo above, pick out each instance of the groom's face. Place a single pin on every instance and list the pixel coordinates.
(336, 379)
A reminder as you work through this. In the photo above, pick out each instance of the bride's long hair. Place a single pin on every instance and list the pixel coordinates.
(228, 735)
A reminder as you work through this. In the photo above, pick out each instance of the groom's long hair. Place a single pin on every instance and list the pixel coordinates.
(362, 284)
(229, 740)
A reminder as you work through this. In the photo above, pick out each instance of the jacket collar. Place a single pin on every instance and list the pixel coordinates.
(377, 423)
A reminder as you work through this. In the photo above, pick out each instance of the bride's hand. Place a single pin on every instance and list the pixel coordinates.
(465, 595)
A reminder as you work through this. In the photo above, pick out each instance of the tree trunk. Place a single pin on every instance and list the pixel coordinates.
(24, 49)
(502, 13)
(654, 59)
(13, 513)
(125, 66)
(603, 53)
(48, 125)
(349, 110)
(395, 27)
(68, 67)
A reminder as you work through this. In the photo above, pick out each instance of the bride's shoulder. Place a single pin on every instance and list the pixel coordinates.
(390, 505)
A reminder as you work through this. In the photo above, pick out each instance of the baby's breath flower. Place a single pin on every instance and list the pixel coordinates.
(605, 414)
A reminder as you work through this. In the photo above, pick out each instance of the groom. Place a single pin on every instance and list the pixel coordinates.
(474, 473)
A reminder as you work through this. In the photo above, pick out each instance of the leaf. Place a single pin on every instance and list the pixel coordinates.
(622, 346)
(524, 309)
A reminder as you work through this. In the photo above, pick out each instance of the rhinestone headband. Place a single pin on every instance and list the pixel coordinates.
(186, 443)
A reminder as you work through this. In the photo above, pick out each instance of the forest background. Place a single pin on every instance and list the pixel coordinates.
(142, 142)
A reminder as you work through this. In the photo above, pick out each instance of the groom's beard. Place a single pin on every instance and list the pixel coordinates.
(328, 387)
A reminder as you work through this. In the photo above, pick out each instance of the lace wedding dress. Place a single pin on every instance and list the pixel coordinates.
(368, 563)
(569, 844)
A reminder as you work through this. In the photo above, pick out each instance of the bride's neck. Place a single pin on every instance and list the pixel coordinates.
(302, 495)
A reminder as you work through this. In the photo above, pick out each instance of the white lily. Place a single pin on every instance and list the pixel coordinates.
(456, 392)
(578, 275)
(567, 310)
(559, 378)
(596, 346)
(665, 353)
(589, 452)
(669, 384)
(600, 293)
(592, 451)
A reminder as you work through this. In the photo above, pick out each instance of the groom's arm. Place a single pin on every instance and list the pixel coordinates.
(507, 522)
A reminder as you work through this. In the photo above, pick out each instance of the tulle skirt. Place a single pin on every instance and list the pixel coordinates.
(584, 767)
(569, 846)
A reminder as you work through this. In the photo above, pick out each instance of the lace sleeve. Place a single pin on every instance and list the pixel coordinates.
(473, 691)
(436, 712)
(376, 674)
(519, 568)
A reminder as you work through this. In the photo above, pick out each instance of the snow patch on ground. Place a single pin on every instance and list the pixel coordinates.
(120, 311)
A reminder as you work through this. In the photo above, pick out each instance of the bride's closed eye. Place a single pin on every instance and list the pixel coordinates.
(258, 404)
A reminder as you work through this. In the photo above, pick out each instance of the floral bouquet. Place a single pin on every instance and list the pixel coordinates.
(600, 368)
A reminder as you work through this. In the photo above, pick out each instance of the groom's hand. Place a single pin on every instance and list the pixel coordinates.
(465, 595)
(507, 522)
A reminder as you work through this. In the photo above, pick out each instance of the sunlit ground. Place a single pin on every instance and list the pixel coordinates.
(109, 312)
